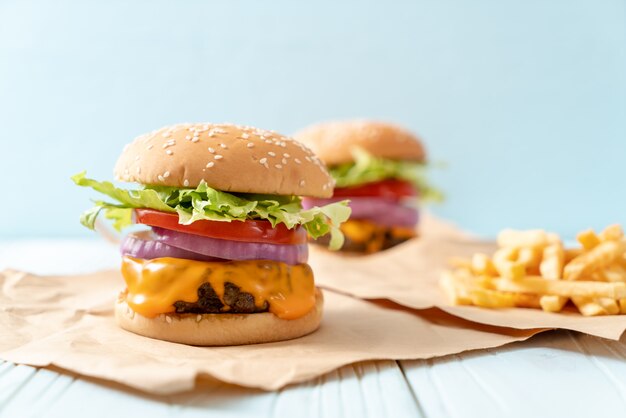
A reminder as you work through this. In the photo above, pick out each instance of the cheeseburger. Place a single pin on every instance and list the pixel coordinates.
(379, 168)
(224, 260)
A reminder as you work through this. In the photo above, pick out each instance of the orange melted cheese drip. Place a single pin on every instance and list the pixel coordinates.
(372, 234)
(154, 285)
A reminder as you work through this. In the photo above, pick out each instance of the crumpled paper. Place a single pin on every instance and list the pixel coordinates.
(409, 275)
(67, 322)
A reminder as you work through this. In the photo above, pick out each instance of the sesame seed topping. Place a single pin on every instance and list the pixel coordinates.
(301, 183)
(279, 166)
(168, 319)
(166, 134)
(188, 137)
(210, 164)
(223, 146)
(169, 152)
(324, 187)
(166, 174)
(263, 160)
(250, 144)
(218, 157)
(286, 155)
(212, 150)
(195, 139)
(150, 146)
(198, 318)
(284, 161)
(160, 177)
(271, 154)
(297, 160)
(186, 183)
(245, 135)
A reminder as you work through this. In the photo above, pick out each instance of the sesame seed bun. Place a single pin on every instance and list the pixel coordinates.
(333, 142)
(228, 157)
(219, 329)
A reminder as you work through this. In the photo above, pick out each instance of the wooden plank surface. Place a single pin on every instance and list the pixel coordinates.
(552, 375)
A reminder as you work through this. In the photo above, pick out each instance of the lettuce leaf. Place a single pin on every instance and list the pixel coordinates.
(206, 203)
(368, 169)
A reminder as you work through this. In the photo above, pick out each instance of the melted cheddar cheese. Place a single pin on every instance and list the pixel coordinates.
(154, 285)
(366, 232)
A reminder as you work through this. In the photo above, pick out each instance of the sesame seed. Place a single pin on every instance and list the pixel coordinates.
(223, 146)
(186, 183)
(263, 160)
(308, 159)
(301, 183)
(324, 187)
(168, 319)
(267, 141)
(195, 139)
(166, 134)
(169, 152)
(218, 157)
(210, 164)
(188, 137)
(245, 135)
(138, 170)
(297, 160)
(150, 146)
(284, 161)
(211, 134)
(286, 155)
(250, 144)
(160, 177)
(212, 150)
(279, 166)
(198, 318)
(166, 174)
(271, 154)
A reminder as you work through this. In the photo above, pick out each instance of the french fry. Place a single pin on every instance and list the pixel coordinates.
(570, 289)
(483, 266)
(551, 266)
(505, 263)
(599, 257)
(533, 269)
(610, 306)
(552, 303)
(494, 299)
(612, 233)
(614, 273)
(572, 253)
(530, 258)
(455, 294)
(518, 239)
(588, 307)
(588, 239)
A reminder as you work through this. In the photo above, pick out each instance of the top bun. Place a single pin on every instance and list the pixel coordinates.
(333, 142)
(227, 157)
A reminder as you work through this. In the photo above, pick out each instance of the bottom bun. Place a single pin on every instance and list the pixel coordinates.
(219, 329)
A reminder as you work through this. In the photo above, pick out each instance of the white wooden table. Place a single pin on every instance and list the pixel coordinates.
(555, 374)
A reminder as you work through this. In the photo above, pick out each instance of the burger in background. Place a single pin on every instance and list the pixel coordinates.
(224, 261)
(380, 168)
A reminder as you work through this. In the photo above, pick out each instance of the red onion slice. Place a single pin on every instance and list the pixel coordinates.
(143, 245)
(233, 250)
(383, 211)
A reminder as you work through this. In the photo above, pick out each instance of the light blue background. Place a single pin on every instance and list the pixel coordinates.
(524, 100)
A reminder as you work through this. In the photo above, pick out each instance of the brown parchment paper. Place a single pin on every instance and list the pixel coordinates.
(67, 322)
(409, 275)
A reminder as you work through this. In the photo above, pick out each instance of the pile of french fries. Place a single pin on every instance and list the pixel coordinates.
(532, 269)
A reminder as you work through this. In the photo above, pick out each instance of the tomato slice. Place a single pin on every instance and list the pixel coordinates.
(246, 231)
(391, 189)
